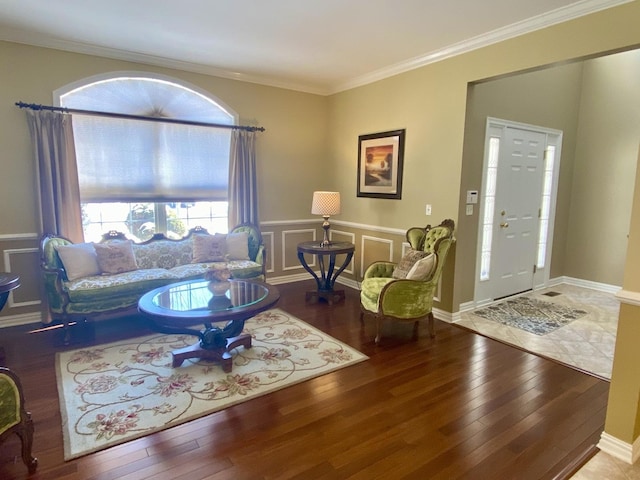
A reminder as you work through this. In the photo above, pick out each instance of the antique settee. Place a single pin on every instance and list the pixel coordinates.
(90, 281)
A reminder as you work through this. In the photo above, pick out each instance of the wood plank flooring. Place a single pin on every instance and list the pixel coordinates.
(457, 406)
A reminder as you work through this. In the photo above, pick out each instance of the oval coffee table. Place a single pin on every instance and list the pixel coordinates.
(178, 307)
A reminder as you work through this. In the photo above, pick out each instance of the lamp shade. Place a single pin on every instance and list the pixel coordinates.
(326, 203)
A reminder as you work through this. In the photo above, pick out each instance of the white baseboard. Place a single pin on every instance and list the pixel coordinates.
(577, 282)
(445, 316)
(615, 447)
(298, 277)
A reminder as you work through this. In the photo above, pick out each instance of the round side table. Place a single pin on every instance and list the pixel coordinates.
(328, 274)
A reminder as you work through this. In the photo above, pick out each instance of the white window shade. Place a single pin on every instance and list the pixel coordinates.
(122, 159)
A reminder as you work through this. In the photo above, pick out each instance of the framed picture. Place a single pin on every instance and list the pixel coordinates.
(380, 158)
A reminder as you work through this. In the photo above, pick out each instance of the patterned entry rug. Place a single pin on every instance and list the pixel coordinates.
(110, 394)
(531, 315)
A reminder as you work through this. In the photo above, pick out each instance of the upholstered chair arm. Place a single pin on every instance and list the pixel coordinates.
(379, 269)
(53, 272)
(406, 298)
(261, 258)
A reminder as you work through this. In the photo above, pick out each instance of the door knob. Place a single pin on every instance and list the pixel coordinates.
(504, 225)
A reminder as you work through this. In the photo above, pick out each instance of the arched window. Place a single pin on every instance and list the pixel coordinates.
(143, 177)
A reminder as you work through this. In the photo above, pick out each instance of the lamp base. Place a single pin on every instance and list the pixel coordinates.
(326, 226)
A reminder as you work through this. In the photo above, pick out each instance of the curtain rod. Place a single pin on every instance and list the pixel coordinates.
(33, 106)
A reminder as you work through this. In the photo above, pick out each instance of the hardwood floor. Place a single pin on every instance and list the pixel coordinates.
(457, 406)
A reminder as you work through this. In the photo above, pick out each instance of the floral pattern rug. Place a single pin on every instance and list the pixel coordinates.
(110, 394)
(531, 315)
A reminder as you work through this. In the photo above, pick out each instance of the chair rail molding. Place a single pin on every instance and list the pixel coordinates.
(5, 237)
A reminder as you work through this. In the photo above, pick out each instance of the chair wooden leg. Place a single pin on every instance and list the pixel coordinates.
(378, 328)
(26, 438)
(430, 323)
(416, 326)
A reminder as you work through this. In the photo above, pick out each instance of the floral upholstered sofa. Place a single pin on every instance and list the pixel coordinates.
(89, 281)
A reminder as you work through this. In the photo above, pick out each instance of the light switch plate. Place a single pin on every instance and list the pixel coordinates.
(427, 209)
(469, 209)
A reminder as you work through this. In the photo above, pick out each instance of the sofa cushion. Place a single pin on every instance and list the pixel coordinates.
(79, 260)
(163, 253)
(209, 248)
(244, 269)
(407, 263)
(241, 269)
(99, 288)
(115, 257)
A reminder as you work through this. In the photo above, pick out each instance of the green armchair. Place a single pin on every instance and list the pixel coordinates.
(404, 292)
(13, 416)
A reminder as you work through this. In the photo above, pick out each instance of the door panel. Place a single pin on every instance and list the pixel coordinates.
(517, 203)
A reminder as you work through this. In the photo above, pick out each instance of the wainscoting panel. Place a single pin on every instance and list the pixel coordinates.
(20, 256)
(23, 262)
(374, 249)
(270, 246)
(290, 241)
(340, 236)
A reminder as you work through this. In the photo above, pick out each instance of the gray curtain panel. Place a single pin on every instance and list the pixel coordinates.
(54, 149)
(243, 191)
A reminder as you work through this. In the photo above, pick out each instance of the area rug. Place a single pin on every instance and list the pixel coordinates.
(531, 315)
(110, 394)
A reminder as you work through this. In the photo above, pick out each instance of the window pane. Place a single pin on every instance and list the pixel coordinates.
(138, 221)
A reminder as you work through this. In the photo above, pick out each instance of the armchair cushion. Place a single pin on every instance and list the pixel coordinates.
(423, 268)
(407, 262)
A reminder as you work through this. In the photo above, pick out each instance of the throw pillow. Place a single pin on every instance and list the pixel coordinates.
(115, 257)
(238, 246)
(423, 268)
(209, 248)
(407, 262)
(79, 260)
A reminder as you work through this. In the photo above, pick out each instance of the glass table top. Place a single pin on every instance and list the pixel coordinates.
(198, 296)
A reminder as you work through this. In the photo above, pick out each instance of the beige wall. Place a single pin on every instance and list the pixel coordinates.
(605, 166)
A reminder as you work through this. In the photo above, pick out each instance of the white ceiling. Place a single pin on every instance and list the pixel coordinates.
(321, 46)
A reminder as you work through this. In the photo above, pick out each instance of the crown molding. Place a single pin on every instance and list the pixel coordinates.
(548, 19)
(554, 17)
(38, 40)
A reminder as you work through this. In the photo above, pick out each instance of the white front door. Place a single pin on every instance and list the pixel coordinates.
(512, 199)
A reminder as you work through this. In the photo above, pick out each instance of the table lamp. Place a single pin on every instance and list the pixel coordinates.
(326, 204)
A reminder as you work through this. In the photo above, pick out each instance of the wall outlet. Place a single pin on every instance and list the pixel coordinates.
(427, 210)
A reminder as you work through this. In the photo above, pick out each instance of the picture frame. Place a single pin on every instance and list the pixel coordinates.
(380, 164)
